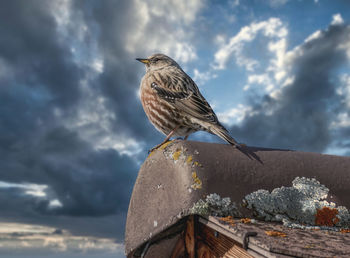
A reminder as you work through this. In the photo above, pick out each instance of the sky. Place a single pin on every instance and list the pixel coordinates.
(73, 133)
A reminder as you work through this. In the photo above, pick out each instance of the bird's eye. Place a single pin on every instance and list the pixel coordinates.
(155, 60)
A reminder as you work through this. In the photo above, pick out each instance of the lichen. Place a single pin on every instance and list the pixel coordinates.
(214, 205)
(275, 233)
(197, 182)
(326, 217)
(302, 204)
(196, 163)
(245, 220)
(177, 154)
(189, 159)
(228, 220)
(163, 146)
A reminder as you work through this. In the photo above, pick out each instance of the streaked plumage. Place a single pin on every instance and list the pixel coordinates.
(173, 103)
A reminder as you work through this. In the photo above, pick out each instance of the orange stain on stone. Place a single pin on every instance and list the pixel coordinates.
(246, 220)
(275, 233)
(228, 220)
(326, 217)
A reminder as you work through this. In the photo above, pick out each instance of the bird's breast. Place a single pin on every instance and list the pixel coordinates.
(159, 112)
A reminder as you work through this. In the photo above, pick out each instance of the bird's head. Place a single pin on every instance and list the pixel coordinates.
(157, 61)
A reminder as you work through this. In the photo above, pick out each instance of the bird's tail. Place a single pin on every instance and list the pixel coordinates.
(221, 131)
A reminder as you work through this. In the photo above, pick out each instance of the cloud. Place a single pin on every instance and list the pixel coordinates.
(72, 129)
(19, 238)
(236, 46)
(337, 19)
(235, 115)
(233, 3)
(148, 30)
(202, 77)
(277, 3)
(85, 181)
(301, 114)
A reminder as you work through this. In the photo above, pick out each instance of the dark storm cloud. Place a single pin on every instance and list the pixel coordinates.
(30, 47)
(301, 117)
(120, 79)
(42, 77)
(87, 182)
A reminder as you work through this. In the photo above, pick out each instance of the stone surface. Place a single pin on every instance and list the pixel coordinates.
(179, 174)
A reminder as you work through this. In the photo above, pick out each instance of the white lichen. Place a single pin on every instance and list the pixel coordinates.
(214, 205)
(295, 205)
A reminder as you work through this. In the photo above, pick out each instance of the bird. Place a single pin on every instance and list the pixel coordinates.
(173, 103)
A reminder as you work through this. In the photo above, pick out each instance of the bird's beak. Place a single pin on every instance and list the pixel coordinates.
(143, 60)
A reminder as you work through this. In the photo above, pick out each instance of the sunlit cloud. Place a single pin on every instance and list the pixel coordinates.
(22, 238)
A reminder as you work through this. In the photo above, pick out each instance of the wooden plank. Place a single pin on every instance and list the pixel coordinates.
(237, 251)
(179, 249)
(260, 250)
(203, 251)
(219, 244)
(190, 237)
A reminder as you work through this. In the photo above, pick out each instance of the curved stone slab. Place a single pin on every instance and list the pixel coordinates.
(179, 174)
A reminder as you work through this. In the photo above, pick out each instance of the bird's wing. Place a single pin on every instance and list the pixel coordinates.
(187, 100)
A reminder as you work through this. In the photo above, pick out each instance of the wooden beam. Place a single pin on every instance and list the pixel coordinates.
(219, 244)
(190, 238)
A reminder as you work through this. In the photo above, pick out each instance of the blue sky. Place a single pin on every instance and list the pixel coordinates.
(72, 130)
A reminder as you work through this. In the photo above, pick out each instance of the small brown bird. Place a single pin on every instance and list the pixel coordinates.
(173, 103)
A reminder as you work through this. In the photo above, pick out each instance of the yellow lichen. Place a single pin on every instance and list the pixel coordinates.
(228, 220)
(189, 159)
(197, 164)
(246, 220)
(275, 233)
(197, 182)
(176, 154)
(150, 154)
(163, 146)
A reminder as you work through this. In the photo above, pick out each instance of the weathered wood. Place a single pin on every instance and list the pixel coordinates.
(190, 240)
(179, 249)
(220, 245)
(203, 251)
